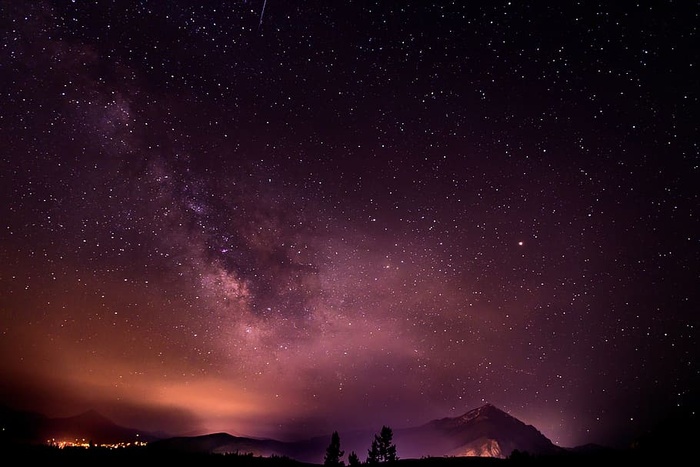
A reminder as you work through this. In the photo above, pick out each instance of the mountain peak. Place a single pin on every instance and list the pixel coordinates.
(488, 407)
(485, 431)
(486, 411)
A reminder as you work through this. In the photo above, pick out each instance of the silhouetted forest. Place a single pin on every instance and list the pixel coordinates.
(143, 455)
(133, 456)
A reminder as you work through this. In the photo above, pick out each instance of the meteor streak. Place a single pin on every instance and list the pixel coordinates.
(262, 12)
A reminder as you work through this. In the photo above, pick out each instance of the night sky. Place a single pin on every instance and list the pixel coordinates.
(285, 218)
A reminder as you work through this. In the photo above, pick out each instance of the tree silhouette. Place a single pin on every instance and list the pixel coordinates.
(387, 448)
(383, 449)
(353, 460)
(333, 452)
(373, 452)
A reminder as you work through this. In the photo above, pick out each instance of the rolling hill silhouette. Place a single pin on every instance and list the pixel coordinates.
(483, 432)
(32, 428)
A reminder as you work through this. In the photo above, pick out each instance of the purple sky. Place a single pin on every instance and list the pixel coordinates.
(338, 215)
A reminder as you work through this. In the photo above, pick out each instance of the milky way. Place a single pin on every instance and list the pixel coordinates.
(350, 214)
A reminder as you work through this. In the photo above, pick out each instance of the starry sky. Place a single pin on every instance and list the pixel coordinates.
(284, 218)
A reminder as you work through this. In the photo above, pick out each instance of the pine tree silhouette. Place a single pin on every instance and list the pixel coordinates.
(333, 452)
(353, 460)
(373, 452)
(383, 448)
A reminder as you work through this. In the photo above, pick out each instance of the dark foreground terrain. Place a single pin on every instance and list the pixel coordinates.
(144, 456)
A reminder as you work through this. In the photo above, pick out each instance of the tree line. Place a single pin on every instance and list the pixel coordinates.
(381, 450)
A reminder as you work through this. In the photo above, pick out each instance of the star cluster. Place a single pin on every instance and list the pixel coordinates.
(338, 215)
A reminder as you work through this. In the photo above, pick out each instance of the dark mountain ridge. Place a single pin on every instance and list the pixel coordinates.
(482, 432)
(21, 427)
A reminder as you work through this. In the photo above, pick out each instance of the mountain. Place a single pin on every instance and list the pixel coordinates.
(483, 432)
(91, 426)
